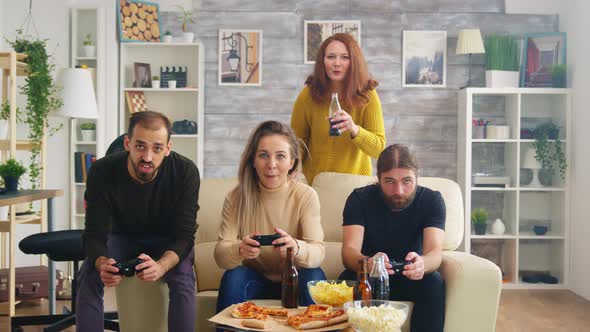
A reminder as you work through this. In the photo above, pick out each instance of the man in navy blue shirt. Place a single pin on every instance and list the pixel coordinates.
(403, 221)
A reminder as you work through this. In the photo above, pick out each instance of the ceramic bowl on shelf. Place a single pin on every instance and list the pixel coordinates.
(376, 315)
(540, 229)
(332, 292)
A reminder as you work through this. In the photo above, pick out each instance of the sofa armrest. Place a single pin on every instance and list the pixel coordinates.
(473, 286)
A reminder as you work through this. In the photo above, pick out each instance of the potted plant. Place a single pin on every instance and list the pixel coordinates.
(185, 17)
(502, 61)
(156, 82)
(558, 76)
(42, 97)
(89, 49)
(167, 38)
(88, 131)
(549, 152)
(10, 172)
(479, 218)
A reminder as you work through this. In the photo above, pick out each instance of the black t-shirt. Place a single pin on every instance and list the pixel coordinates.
(393, 232)
(165, 206)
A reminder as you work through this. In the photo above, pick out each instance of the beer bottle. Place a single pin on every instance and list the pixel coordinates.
(363, 286)
(334, 107)
(379, 278)
(290, 284)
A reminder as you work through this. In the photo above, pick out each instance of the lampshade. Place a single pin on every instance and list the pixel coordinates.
(77, 94)
(470, 42)
(528, 159)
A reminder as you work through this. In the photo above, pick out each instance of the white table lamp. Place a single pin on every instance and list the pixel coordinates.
(470, 42)
(77, 94)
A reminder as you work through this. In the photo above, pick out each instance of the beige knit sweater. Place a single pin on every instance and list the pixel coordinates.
(295, 208)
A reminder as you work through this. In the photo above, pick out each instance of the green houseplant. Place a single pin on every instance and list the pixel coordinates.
(88, 131)
(479, 218)
(10, 172)
(502, 61)
(558, 76)
(549, 152)
(41, 92)
(186, 17)
(89, 49)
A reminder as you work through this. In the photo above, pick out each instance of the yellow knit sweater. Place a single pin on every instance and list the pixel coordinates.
(340, 154)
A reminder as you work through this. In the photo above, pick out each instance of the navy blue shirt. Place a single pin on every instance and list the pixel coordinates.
(394, 232)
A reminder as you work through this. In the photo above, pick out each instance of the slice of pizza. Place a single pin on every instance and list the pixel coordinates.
(258, 321)
(318, 309)
(249, 309)
(306, 320)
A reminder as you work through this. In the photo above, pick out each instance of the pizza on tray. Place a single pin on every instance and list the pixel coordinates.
(317, 316)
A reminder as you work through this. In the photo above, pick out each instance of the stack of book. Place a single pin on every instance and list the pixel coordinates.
(82, 163)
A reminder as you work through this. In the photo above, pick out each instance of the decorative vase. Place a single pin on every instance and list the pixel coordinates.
(156, 84)
(501, 79)
(167, 38)
(545, 177)
(497, 227)
(10, 183)
(526, 176)
(172, 84)
(188, 37)
(89, 51)
(480, 229)
(88, 135)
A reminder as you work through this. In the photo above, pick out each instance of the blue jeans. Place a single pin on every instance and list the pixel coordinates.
(427, 294)
(244, 283)
(180, 280)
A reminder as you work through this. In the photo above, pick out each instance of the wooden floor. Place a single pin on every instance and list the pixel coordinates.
(520, 311)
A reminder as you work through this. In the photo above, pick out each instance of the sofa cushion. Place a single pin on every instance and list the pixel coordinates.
(208, 273)
(211, 198)
(334, 188)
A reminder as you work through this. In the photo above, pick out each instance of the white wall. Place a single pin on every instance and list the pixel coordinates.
(573, 19)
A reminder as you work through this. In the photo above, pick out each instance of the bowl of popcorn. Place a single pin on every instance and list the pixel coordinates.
(376, 315)
(332, 292)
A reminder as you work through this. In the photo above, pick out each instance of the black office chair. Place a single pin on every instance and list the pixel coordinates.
(59, 246)
(62, 246)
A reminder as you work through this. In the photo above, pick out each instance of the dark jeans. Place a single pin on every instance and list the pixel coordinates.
(180, 280)
(243, 283)
(427, 294)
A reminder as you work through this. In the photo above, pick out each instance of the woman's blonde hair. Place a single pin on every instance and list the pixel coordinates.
(248, 190)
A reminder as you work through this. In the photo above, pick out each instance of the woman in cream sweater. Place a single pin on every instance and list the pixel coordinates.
(268, 200)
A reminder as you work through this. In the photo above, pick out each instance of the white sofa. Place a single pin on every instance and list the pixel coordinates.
(473, 284)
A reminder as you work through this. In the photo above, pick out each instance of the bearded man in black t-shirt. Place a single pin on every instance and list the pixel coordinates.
(404, 221)
(141, 203)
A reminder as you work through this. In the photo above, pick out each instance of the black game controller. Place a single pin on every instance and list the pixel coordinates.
(266, 240)
(398, 267)
(128, 268)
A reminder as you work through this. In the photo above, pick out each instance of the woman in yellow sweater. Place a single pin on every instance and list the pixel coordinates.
(268, 200)
(340, 67)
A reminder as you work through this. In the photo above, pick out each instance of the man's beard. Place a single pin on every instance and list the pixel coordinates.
(141, 175)
(399, 202)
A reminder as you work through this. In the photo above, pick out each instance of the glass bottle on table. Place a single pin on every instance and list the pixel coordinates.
(362, 291)
(334, 107)
(379, 278)
(290, 283)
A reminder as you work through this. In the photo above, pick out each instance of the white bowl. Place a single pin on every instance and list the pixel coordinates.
(376, 315)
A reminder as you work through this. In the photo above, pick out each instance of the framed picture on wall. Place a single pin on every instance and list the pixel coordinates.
(138, 21)
(424, 59)
(543, 53)
(240, 57)
(315, 32)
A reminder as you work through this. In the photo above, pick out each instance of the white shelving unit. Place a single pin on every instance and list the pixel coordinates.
(519, 251)
(179, 103)
(86, 20)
